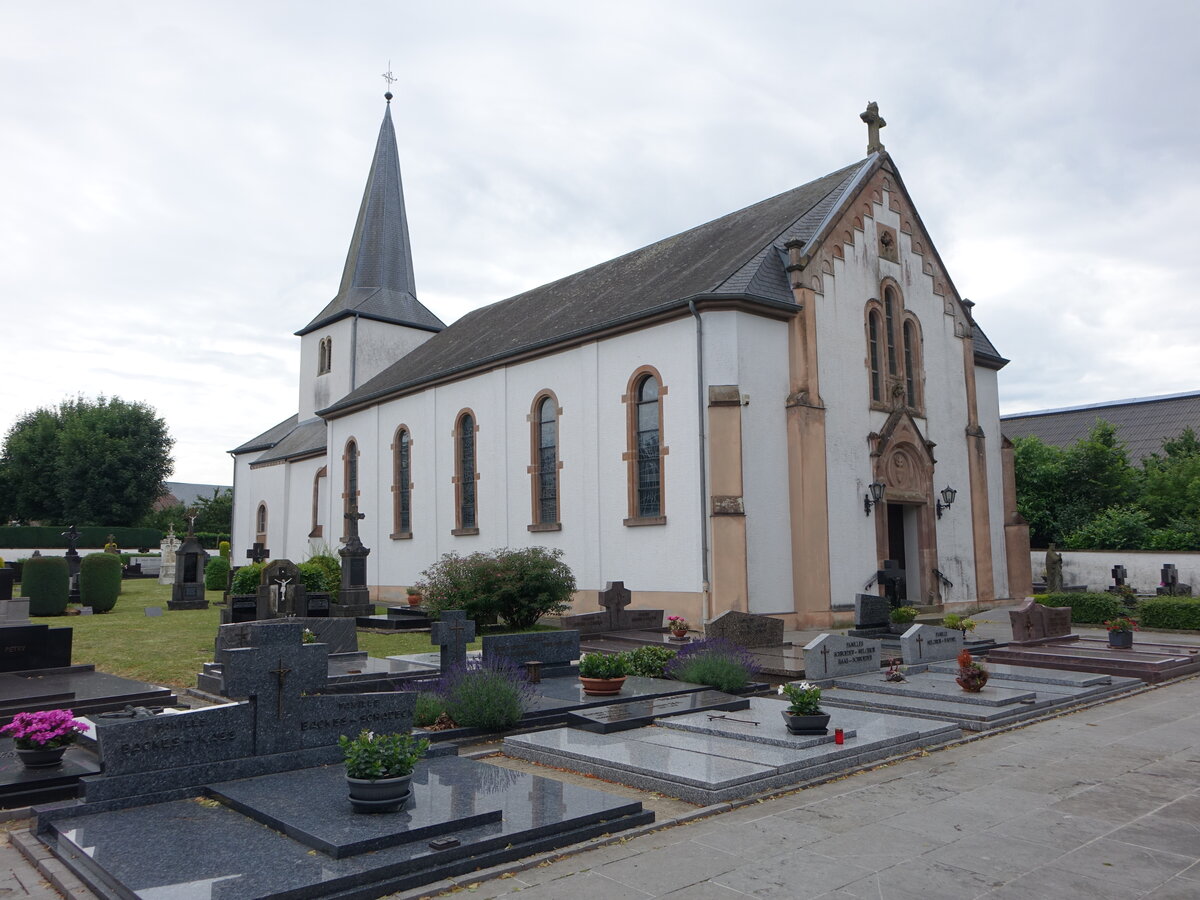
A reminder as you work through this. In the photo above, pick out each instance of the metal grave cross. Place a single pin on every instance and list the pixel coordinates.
(72, 537)
(452, 634)
(258, 553)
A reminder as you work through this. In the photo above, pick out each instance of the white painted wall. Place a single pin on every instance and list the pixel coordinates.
(987, 391)
(1143, 567)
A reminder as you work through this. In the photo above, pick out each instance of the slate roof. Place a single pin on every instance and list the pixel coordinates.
(377, 280)
(738, 255)
(1142, 423)
(270, 437)
(306, 439)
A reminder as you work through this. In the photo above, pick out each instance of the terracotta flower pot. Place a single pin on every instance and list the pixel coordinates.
(601, 687)
(814, 724)
(381, 795)
(414, 599)
(679, 635)
(973, 681)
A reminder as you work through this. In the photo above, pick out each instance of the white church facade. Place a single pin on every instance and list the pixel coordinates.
(706, 419)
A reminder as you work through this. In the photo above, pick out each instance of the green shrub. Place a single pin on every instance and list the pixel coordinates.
(902, 615)
(428, 708)
(216, 574)
(46, 581)
(47, 536)
(517, 586)
(1086, 609)
(716, 662)
(99, 581)
(321, 574)
(1182, 613)
(223, 549)
(246, 579)
(491, 695)
(603, 665)
(649, 661)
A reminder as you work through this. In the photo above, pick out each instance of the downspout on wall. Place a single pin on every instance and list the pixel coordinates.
(705, 587)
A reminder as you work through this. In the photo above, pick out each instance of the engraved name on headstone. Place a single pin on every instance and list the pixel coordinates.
(929, 643)
(832, 655)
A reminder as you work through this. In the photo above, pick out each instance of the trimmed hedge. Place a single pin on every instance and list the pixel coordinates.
(216, 573)
(1182, 613)
(46, 581)
(1087, 609)
(99, 581)
(44, 537)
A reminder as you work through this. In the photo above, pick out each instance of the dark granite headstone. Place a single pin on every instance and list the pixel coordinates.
(615, 598)
(282, 589)
(338, 635)
(24, 647)
(1171, 585)
(242, 608)
(452, 633)
(1119, 575)
(550, 648)
(745, 629)
(7, 577)
(871, 611)
(188, 590)
(167, 741)
(353, 598)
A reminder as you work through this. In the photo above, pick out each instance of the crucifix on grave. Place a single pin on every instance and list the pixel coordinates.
(276, 672)
(72, 556)
(452, 633)
(874, 122)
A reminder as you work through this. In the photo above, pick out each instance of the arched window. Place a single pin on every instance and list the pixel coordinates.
(889, 321)
(350, 482)
(873, 356)
(544, 465)
(645, 448)
(465, 475)
(317, 529)
(260, 524)
(914, 370)
(325, 355)
(402, 484)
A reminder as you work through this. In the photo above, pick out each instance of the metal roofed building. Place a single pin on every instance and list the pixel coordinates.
(1143, 423)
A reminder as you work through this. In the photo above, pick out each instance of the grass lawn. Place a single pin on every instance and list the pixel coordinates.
(171, 649)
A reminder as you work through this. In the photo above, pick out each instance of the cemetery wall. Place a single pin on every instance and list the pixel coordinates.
(1094, 567)
(845, 390)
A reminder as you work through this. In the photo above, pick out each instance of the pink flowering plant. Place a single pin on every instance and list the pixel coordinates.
(43, 730)
(677, 623)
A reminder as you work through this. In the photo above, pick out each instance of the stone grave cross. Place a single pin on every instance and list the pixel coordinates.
(1119, 575)
(1169, 577)
(352, 519)
(614, 598)
(275, 672)
(258, 553)
(452, 634)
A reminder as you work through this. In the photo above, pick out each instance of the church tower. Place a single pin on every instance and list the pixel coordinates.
(376, 317)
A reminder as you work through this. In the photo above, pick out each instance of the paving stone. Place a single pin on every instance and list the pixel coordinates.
(994, 856)
(798, 874)
(1124, 864)
(920, 879)
(1060, 884)
(671, 868)
(1158, 833)
(1053, 829)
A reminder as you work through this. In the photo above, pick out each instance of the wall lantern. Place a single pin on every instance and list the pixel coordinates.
(948, 495)
(876, 496)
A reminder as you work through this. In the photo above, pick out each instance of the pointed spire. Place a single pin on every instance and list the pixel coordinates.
(377, 280)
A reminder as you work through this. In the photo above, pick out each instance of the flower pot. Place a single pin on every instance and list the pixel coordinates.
(601, 687)
(380, 795)
(973, 682)
(1122, 640)
(414, 599)
(41, 757)
(679, 635)
(814, 724)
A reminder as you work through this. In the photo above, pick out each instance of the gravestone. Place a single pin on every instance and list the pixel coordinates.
(1119, 575)
(745, 629)
(168, 547)
(1034, 622)
(832, 655)
(1171, 585)
(353, 599)
(190, 559)
(872, 615)
(452, 633)
(929, 643)
(72, 557)
(892, 578)
(24, 647)
(258, 553)
(7, 578)
(339, 635)
(15, 611)
(281, 590)
(616, 616)
(553, 649)
(1054, 570)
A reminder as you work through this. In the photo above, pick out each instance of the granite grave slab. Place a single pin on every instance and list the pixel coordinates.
(1151, 661)
(745, 629)
(636, 713)
(830, 655)
(1034, 622)
(929, 643)
(553, 649)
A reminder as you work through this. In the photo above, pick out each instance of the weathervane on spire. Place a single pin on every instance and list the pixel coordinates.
(389, 78)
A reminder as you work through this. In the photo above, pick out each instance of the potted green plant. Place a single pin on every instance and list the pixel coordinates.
(41, 738)
(602, 674)
(678, 626)
(902, 618)
(379, 769)
(1120, 632)
(414, 596)
(972, 676)
(803, 715)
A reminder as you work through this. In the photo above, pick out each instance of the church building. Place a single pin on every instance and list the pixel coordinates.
(755, 414)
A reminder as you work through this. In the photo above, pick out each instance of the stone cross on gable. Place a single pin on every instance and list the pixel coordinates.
(258, 553)
(452, 634)
(275, 672)
(874, 122)
(614, 598)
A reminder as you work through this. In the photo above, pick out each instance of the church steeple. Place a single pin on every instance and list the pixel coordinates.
(377, 280)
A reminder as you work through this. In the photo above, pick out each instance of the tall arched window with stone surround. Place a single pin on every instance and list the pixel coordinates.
(544, 462)
(260, 523)
(466, 474)
(402, 484)
(894, 362)
(325, 355)
(874, 327)
(318, 530)
(914, 369)
(645, 453)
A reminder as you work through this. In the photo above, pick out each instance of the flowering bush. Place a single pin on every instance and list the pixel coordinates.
(43, 730)
(715, 662)
(1121, 624)
(373, 756)
(805, 698)
(491, 694)
(678, 623)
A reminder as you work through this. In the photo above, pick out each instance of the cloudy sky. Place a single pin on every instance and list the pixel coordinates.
(178, 181)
